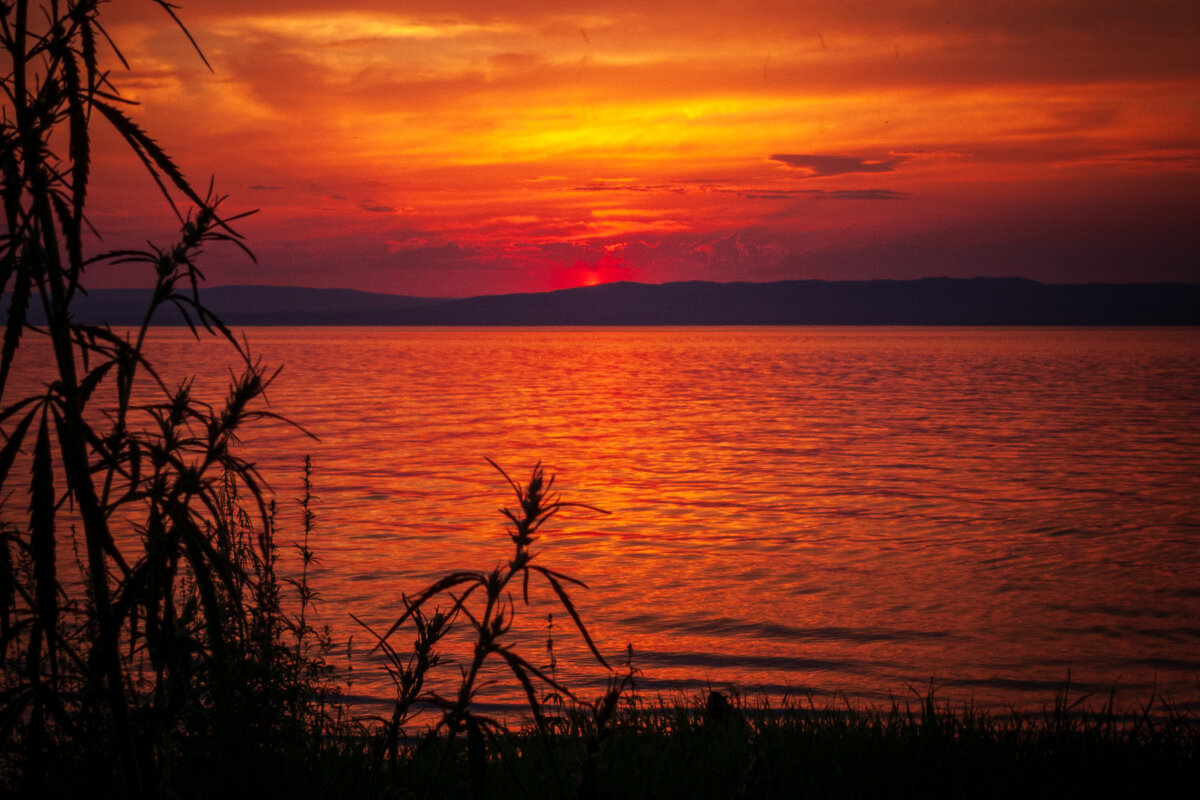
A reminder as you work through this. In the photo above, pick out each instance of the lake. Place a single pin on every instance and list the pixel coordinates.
(793, 511)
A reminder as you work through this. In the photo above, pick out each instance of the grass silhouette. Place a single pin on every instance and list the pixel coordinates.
(164, 625)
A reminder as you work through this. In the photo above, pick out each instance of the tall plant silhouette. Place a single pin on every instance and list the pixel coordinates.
(484, 600)
(103, 652)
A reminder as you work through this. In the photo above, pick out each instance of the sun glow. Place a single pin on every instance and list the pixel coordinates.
(609, 268)
(322, 28)
(516, 142)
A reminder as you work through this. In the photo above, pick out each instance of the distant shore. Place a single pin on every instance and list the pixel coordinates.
(930, 301)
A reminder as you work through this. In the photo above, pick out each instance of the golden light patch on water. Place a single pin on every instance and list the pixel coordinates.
(792, 510)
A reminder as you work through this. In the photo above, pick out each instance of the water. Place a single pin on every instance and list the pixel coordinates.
(793, 510)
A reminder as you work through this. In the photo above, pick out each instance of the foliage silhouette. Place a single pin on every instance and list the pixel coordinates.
(164, 643)
(485, 601)
(161, 612)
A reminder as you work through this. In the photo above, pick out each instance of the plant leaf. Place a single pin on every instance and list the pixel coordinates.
(18, 307)
(148, 150)
(447, 582)
(41, 535)
(13, 445)
(570, 606)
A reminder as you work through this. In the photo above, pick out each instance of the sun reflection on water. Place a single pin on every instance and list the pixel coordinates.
(794, 510)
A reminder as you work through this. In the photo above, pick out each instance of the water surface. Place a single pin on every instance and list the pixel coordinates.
(793, 510)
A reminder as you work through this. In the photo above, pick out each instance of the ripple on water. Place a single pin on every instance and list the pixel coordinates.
(844, 509)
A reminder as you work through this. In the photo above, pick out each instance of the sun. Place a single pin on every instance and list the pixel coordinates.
(609, 268)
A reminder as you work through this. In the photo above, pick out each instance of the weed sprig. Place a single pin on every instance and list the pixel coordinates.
(484, 601)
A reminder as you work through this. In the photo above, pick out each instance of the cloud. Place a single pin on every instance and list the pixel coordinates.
(376, 209)
(747, 193)
(1180, 161)
(617, 187)
(864, 194)
(496, 122)
(772, 195)
(820, 166)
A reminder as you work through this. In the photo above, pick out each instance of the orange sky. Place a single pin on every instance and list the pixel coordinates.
(466, 147)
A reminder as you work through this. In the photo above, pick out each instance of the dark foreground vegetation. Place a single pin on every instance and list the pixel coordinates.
(681, 748)
(155, 629)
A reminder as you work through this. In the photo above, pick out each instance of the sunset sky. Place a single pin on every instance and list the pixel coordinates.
(464, 147)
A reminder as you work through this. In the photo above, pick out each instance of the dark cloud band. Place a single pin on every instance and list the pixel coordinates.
(823, 166)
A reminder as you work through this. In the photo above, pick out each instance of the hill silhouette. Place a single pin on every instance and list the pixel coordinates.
(930, 301)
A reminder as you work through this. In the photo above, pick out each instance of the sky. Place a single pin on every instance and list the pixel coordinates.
(465, 147)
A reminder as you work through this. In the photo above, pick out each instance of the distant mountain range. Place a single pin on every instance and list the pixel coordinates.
(931, 301)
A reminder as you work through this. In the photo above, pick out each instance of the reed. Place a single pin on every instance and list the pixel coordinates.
(163, 622)
(162, 655)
